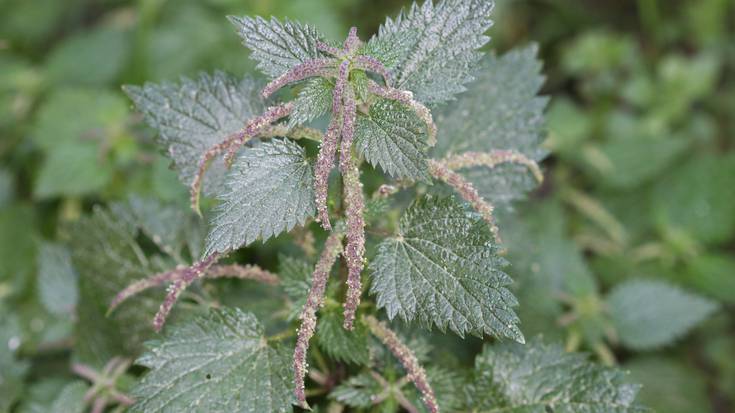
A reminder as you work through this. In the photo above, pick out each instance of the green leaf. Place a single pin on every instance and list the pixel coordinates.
(713, 275)
(57, 279)
(219, 362)
(341, 344)
(95, 57)
(670, 386)
(649, 313)
(71, 398)
(77, 116)
(72, 170)
(500, 111)
(108, 258)
(634, 160)
(697, 197)
(277, 46)
(541, 378)
(313, 101)
(443, 268)
(12, 370)
(447, 386)
(443, 55)
(17, 244)
(194, 115)
(295, 277)
(357, 391)
(170, 227)
(269, 189)
(394, 138)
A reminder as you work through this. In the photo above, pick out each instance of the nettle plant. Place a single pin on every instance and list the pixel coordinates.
(454, 132)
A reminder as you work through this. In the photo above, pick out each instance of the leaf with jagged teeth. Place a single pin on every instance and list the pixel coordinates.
(442, 268)
(193, 115)
(443, 56)
(278, 46)
(314, 100)
(392, 137)
(270, 189)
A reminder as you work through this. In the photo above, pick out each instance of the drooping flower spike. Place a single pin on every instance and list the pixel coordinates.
(181, 277)
(444, 170)
(314, 300)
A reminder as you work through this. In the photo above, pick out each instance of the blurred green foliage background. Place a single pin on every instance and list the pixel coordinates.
(641, 182)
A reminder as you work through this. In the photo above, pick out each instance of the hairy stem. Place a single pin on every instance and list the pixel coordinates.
(310, 68)
(406, 357)
(314, 300)
(467, 191)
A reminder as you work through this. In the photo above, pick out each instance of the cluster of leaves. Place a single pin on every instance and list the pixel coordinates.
(439, 232)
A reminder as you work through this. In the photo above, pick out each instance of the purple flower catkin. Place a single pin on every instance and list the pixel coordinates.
(314, 300)
(331, 50)
(310, 68)
(492, 159)
(233, 142)
(188, 276)
(467, 191)
(242, 272)
(408, 360)
(355, 249)
(352, 42)
(348, 128)
(142, 285)
(371, 64)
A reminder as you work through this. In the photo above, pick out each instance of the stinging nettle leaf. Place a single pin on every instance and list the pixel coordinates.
(541, 378)
(394, 138)
(219, 362)
(442, 57)
(650, 313)
(313, 101)
(194, 115)
(341, 344)
(500, 111)
(443, 268)
(278, 46)
(269, 189)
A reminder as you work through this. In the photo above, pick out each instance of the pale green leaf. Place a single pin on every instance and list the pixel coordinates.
(650, 313)
(269, 189)
(194, 115)
(219, 362)
(57, 279)
(500, 111)
(277, 46)
(541, 378)
(357, 391)
(670, 385)
(442, 55)
(394, 138)
(443, 268)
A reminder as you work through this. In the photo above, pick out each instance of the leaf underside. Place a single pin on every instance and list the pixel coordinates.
(500, 111)
(194, 115)
(443, 268)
